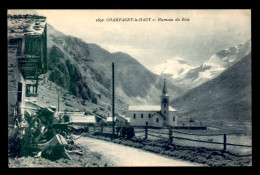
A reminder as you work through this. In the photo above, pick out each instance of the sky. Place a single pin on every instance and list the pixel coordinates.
(202, 34)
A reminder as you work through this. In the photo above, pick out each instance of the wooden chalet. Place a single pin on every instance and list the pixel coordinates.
(28, 34)
(27, 59)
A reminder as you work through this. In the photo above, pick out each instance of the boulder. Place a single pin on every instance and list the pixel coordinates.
(54, 149)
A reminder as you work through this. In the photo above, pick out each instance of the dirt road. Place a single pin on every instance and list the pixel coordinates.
(120, 155)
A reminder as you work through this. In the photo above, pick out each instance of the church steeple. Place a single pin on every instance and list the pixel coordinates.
(165, 102)
(164, 87)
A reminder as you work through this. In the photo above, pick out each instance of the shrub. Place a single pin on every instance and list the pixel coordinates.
(67, 104)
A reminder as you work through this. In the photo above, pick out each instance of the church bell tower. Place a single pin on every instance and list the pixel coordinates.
(165, 102)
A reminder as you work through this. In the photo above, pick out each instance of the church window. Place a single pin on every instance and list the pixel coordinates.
(142, 115)
(149, 115)
(134, 116)
(173, 118)
(157, 120)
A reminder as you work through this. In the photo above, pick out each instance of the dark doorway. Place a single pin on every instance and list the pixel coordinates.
(19, 94)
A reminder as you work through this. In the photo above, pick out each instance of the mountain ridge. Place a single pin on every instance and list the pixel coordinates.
(85, 69)
(224, 101)
(192, 76)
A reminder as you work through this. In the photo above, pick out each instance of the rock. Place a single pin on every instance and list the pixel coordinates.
(55, 148)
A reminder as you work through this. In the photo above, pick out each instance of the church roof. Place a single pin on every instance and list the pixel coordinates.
(148, 108)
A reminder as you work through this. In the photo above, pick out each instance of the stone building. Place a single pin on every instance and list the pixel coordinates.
(154, 115)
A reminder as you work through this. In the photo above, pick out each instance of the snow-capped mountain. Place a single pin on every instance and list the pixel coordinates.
(187, 77)
(174, 68)
(224, 59)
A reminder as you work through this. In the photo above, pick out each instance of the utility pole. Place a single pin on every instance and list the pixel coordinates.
(113, 99)
(58, 103)
(36, 76)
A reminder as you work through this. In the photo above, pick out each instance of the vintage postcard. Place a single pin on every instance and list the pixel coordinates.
(129, 88)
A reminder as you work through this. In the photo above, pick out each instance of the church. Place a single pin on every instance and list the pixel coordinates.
(154, 115)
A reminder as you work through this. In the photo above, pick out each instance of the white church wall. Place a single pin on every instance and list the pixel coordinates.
(138, 120)
(157, 120)
(171, 121)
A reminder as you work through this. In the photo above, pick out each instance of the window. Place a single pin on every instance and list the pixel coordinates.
(19, 46)
(146, 123)
(157, 120)
(173, 118)
(149, 115)
(134, 116)
(13, 42)
(142, 115)
(17, 42)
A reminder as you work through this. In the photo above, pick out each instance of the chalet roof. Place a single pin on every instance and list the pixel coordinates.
(110, 119)
(102, 121)
(73, 113)
(21, 25)
(124, 117)
(83, 119)
(148, 108)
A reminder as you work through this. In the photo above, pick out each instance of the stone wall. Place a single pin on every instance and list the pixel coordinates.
(14, 76)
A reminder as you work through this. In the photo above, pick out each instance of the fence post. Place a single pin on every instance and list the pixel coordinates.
(225, 142)
(170, 134)
(146, 131)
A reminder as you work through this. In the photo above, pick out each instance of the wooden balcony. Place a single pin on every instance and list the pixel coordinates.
(30, 65)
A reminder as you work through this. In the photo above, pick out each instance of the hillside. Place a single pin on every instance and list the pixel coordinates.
(50, 92)
(85, 70)
(223, 102)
